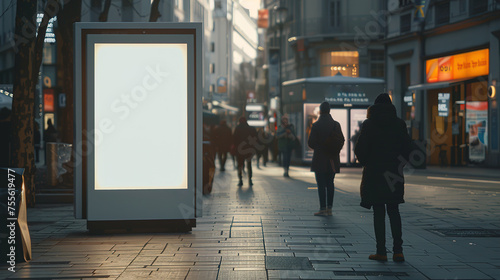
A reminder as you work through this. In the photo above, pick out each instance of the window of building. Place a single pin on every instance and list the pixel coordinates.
(212, 88)
(405, 23)
(478, 6)
(377, 64)
(218, 5)
(462, 6)
(404, 3)
(343, 62)
(212, 47)
(334, 12)
(212, 68)
(443, 13)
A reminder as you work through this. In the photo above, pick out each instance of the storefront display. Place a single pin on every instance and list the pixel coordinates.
(477, 127)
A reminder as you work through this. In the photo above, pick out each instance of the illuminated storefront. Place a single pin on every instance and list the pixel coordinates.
(456, 108)
(344, 62)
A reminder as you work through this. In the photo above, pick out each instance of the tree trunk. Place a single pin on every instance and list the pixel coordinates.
(104, 14)
(155, 13)
(70, 14)
(28, 48)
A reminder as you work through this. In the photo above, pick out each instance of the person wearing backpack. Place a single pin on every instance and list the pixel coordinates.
(326, 139)
(383, 148)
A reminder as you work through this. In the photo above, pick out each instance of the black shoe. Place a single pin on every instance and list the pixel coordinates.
(250, 183)
(240, 183)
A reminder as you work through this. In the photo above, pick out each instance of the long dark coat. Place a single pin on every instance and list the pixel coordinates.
(323, 161)
(245, 139)
(383, 148)
(223, 138)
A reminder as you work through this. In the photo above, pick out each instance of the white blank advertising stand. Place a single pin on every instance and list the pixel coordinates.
(138, 126)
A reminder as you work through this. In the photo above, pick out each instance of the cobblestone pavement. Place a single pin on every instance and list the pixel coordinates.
(268, 232)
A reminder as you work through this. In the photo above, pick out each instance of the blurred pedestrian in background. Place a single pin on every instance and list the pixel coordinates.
(383, 148)
(50, 134)
(244, 139)
(286, 142)
(327, 140)
(264, 139)
(223, 141)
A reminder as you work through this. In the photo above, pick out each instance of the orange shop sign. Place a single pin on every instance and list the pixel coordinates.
(263, 20)
(459, 66)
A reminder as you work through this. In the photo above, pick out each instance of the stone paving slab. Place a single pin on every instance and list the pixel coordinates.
(241, 228)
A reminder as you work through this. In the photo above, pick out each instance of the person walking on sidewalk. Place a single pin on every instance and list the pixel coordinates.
(286, 140)
(244, 139)
(382, 149)
(223, 141)
(326, 139)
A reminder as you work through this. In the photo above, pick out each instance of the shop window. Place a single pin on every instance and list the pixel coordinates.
(405, 23)
(442, 13)
(478, 7)
(344, 62)
(462, 6)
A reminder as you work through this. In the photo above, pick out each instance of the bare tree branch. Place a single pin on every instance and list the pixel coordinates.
(155, 13)
(104, 14)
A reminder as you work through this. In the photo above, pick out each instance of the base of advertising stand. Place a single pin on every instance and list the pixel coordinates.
(141, 226)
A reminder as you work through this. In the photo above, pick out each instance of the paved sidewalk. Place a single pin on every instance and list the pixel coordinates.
(268, 232)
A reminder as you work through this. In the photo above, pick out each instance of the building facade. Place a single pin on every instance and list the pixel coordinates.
(442, 70)
(235, 47)
(324, 38)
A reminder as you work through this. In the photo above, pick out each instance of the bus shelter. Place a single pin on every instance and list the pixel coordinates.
(349, 100)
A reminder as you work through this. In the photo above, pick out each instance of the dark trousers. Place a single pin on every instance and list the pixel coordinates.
(222, 160)
(265, 156)
(241, 164)
(379, 225)
(286, 158)
(325, 188)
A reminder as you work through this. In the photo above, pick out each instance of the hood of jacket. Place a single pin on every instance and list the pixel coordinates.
(382, 114)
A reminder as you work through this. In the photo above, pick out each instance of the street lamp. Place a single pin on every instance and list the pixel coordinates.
(280, 15)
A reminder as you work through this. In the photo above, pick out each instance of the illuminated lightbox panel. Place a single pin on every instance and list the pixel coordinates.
(140, 114)
(138, 122)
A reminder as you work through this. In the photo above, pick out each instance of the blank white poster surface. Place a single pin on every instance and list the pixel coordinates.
(141, 116)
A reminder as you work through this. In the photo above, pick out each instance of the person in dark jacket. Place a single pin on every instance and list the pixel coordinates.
(383, 148)
(286, 137)
(244, 139)
(223, 140)
(326, 159)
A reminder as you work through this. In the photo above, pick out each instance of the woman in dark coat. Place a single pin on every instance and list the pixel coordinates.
(244, 139)
(326, 159)
(383, 148)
